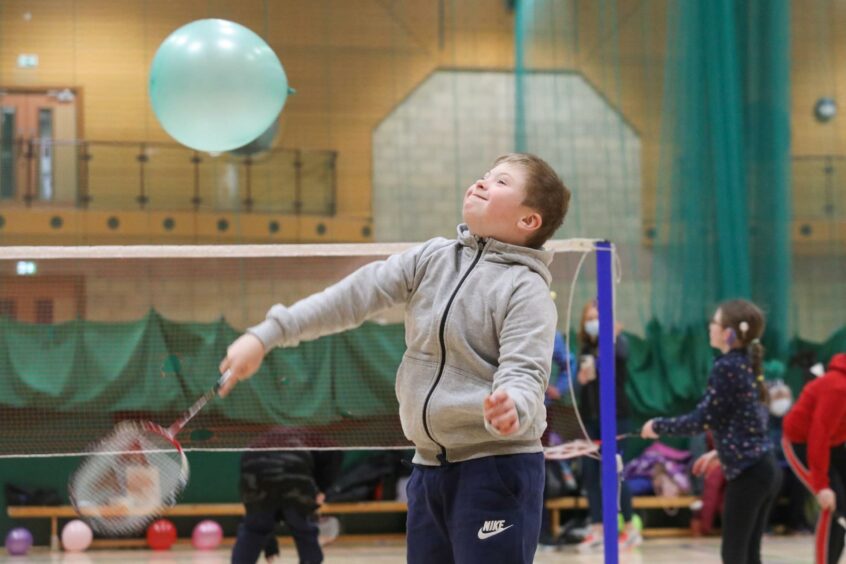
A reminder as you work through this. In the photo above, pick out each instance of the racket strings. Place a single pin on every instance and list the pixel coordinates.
(128, 478)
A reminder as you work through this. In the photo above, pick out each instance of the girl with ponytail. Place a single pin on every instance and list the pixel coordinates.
(734, 409)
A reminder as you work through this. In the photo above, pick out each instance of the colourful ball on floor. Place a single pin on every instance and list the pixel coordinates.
(76, 536)
(161, 534)
(18, 541)
(207, 535)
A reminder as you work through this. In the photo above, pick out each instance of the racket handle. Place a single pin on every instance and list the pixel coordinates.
(199, 404)
(222, 381)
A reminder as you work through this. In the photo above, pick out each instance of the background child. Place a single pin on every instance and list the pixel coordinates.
(282, 486)
(734, 408)
(480, 325)
(588, 378)
(814, 432)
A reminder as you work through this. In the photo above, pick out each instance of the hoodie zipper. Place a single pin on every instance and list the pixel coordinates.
(442, 341)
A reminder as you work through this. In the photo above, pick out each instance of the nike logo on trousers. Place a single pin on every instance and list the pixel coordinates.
(491, 528)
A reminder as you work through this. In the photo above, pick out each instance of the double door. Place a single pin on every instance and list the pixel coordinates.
(38, 145)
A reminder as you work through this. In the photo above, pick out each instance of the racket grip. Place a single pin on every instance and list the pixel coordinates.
(222, 380)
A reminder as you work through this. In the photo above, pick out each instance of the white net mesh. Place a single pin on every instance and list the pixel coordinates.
(92, 336)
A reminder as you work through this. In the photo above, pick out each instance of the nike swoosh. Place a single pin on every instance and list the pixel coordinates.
(483, 535)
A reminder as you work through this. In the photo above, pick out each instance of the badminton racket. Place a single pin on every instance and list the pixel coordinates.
(579, 447)
(130, 476)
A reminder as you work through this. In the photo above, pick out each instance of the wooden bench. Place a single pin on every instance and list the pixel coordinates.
(56, 512)
(640, 502)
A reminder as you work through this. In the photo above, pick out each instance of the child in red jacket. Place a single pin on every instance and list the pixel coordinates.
(813, 443)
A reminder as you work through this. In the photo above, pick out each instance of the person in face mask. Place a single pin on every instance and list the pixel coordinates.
(588, 378)
(781, 398)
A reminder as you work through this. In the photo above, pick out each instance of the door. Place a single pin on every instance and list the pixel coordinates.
(42, 299)
(38, 146)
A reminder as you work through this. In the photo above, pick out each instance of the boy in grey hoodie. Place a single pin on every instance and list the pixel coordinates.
(479, 332)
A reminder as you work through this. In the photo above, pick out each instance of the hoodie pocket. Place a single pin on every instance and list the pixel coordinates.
(415, 376)
(456, 413)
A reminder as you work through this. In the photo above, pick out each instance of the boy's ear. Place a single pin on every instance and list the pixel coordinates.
(531, 222)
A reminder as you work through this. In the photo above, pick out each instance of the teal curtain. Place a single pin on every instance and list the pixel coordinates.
(723, 226)
(65, 385)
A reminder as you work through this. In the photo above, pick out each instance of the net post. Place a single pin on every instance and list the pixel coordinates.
(607, 396)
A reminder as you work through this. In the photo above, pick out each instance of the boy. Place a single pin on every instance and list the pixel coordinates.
(479, 332)
(814, 433)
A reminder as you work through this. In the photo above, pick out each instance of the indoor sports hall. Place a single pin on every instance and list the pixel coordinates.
(425, 281)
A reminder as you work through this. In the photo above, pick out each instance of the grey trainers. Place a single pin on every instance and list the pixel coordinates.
(630, 539)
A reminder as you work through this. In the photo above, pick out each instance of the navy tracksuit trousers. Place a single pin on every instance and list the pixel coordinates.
(486, 511)
(257, 533)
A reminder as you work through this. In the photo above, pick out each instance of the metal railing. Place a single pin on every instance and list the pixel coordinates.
(158, 176)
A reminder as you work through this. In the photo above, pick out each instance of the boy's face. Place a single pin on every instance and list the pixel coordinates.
(493, 206)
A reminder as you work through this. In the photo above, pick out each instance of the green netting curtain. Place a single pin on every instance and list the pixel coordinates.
(724, 227)
(710, 113)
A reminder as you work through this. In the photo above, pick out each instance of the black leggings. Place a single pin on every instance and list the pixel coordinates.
(748, 501)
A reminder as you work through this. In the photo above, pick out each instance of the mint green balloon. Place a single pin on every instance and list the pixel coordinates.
(216, 86)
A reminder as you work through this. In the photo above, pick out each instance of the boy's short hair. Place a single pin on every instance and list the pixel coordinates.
(545, 193)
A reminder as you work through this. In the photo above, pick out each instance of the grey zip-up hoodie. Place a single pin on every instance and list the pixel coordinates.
(478, 317)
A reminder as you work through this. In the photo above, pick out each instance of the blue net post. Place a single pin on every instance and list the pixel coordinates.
(607, 397)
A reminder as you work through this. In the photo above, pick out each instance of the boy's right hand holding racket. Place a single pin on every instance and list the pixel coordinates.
(243, 359)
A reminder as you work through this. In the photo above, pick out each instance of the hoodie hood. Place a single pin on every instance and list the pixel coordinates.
(838, 364)
(537, 260)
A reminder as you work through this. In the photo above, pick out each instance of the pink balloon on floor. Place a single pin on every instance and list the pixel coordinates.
(207, 535)
(76, 536)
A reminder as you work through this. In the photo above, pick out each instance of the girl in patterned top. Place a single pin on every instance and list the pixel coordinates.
(734, 410)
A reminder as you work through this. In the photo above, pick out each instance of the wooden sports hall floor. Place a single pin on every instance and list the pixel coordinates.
(777, 550)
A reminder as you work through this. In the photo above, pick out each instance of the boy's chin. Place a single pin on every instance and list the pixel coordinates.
(475, 230)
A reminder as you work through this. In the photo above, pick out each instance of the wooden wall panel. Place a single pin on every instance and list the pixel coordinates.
(351, 61)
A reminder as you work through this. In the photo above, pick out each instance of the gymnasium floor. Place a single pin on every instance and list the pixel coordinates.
(777, 550)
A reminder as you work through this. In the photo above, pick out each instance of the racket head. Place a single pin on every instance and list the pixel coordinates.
(572, 449)
(128, 478)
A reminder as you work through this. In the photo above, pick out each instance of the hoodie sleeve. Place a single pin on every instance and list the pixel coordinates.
(345, 305)
(830, 408)
(525, 351)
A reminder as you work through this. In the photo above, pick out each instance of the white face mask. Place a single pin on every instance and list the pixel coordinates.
(592, 327)
(780, 406)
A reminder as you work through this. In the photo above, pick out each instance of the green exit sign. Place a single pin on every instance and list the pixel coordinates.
(27, 61)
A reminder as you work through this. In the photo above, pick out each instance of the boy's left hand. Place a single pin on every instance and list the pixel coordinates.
(501, 413)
